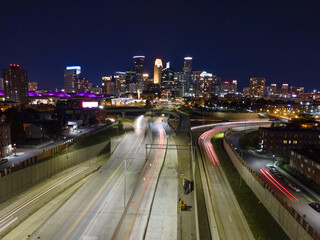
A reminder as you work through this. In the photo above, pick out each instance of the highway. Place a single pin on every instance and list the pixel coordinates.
(230, 221)
(136, 216)
(95, 210)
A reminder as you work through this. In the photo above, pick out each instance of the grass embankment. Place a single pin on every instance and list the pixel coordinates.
(102, 136)
(127, 119)
(261, 223)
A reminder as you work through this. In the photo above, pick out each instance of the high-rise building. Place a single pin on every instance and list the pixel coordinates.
(138, 64)
(187, 66)
(1, 83)
(273, 90)
(82, 85)
(15, 84)
(157, 71)
(257, 87)
(120, 80)
(224, 88)
(32, 86)
(233, 87)
(284, 88)
(167, 77)
(187, 69)
(207, 85)
(107, 85)
(70, 78)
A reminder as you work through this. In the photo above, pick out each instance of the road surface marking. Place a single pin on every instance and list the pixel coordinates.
(34, 198)
(230, 218)
(98, 194)
(8, 224)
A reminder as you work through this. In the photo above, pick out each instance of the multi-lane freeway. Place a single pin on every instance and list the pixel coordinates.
(229, 218)
(115, 202)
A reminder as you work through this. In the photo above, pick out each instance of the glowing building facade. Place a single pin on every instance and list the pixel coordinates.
(157, 71)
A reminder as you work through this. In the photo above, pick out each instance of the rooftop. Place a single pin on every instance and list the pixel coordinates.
(312, 154)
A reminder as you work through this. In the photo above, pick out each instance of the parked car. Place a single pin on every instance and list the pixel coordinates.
(278, 175)
(315, 206)
(273, 170)
(3, 161)
(294, 188)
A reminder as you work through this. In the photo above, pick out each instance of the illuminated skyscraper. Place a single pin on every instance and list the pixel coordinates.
(187, 66)
(187, 69)
(15, 84)
(157, 71)
(206, 85)
(138, 64)
(32, 86)
(106, 85)
(70, 78)
(257, 87)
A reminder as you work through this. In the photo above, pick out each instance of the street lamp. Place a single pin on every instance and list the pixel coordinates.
(15, 149)
(273, 159)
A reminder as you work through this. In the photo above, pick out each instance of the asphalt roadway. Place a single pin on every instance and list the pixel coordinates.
(95, 210)
(229, 218)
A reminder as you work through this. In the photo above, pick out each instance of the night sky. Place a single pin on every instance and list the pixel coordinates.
(279, 40)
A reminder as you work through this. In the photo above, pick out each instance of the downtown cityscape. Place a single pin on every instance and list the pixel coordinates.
(131, 121)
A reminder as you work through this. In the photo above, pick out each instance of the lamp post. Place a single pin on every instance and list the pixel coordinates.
(273, 159)
(125, 180)
(15, 149)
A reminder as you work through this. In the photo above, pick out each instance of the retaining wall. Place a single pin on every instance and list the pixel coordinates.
(295, 226)
(19, 181)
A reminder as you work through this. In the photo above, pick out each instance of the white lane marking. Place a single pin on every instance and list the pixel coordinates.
(34, 198)
(230, 218)
(8, 224)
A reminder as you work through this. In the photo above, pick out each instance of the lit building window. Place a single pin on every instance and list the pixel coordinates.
(285, 141)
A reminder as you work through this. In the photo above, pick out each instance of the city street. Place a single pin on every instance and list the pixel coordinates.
(22, 154)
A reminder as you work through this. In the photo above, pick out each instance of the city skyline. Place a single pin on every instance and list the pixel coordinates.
(273, 40)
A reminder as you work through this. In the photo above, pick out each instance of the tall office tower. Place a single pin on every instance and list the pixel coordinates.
(257, 87)
(70, 77)
(224, 88)
(187, 69)
(120, 79)
(82, 85)
(157, 71)
(107, 85)
(138, 64)
(32, 86)
(273, 90)
(15, 84)
(207, 85)
(167, 77)
(1, 83)
(233, 87)
(131, 81)
(187, 66)
(284, 88)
